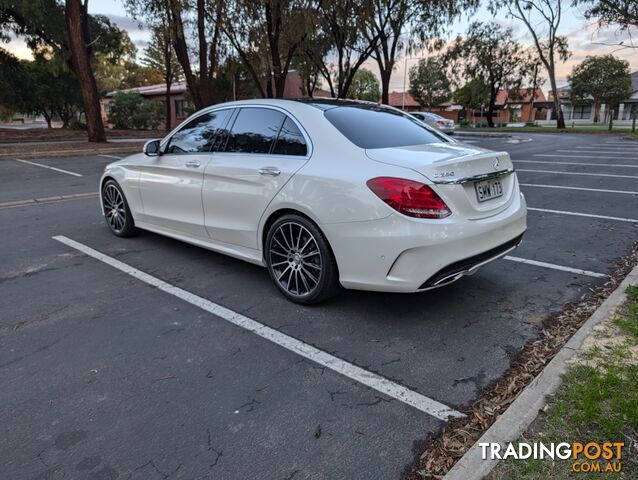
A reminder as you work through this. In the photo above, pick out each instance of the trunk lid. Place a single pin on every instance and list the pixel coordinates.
(455, 169)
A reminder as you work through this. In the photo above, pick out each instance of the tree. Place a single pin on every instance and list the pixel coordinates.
(365, 86)
(69, 31)
(44, 86)
(473, 95)
(430, 85)
(270, 30)
(207, 17)
(131, 110)
(421, 18)
(601, 79)
(623, 13)
(489, 52)
(160, 57)
(550, 46)
(80, 46)
(344, 23)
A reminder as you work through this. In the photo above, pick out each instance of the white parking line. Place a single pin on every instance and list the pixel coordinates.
(578, 214)
(50, 168)
(577, 163)
(578, 173)
(605, 145)
(372, 380)
(590, 150)
(561, 187)
(562, 155)
(109, 156)
(555, 267)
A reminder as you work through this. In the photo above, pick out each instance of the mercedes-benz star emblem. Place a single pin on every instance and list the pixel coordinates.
(496, 164)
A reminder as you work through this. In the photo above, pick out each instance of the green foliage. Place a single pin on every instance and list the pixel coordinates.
(129, 110)
(429, 82)
(473, 94)
(603, 78)
(621, 13)
(160, 57)
(44, 86)
(489, 52)
(365, 86)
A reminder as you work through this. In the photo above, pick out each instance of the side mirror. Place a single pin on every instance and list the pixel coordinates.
(152, 148)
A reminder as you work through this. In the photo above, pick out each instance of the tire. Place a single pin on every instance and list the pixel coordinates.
(300, 260)
(116, 211)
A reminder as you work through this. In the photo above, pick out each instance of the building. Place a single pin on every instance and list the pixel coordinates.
(510, 106)
(584, 112)
(182, 108)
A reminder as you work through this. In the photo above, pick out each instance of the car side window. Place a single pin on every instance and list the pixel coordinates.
(254, 130)
(290, 140)
(200, 134)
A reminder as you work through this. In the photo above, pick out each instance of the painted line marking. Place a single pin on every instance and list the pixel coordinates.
(109, 156)
(45, 200)
(578, 214)
(372, 380)
(601, 190)
(579, 173)
(561, 155)
(578, 163)
(555, 267)
(49, 167)
(625, 153)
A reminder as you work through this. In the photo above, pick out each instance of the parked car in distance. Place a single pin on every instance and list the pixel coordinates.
(437, 121)
(324, 194)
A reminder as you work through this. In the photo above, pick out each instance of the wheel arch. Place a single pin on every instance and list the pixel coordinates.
(277, 214)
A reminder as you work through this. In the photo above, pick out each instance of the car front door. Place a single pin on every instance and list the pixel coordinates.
(171, 183)
(265, 147)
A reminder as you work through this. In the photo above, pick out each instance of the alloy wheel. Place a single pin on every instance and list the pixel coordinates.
(295, 259)
(114, 209)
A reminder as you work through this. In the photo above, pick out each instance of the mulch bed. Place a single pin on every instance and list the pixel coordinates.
(446, 448)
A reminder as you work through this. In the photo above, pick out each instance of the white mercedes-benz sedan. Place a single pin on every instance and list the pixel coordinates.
(324, 194)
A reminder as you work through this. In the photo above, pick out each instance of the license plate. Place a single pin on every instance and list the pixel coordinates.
(488, 189)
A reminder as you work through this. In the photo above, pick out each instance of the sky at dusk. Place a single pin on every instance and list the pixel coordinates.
(585, 38)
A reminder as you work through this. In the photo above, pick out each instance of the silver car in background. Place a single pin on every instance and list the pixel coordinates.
(443, 124)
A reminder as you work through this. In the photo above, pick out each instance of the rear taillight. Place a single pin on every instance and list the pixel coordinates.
(410, 198)
(440, 122)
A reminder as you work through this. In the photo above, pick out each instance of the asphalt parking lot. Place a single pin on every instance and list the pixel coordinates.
(106, 376)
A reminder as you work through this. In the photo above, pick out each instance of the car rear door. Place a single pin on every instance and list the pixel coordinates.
(264, 148)
(171, 184)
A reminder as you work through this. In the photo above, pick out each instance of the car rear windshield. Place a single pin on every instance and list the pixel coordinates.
(379, 127)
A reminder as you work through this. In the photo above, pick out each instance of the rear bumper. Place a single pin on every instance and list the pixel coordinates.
(398, 254)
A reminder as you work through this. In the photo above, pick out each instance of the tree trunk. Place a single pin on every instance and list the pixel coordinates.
(204, 83)
(490, 107)
(79, 41)
(385, 86)
(597, 110)
(168, 78)
(611, 118)
(560, 119)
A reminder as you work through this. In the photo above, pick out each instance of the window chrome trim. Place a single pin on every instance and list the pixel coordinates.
(474, 178)
(206, 110)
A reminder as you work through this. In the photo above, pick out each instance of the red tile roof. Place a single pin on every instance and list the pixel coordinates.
(395, 99)
(524, 96)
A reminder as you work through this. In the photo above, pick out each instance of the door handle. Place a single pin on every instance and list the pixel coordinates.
(269, 171)
(193, 164)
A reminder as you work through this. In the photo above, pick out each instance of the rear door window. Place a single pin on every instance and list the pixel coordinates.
(254, 131)
(379, 127)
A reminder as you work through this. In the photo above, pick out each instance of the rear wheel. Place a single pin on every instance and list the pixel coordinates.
(300, 260)
(116, 212)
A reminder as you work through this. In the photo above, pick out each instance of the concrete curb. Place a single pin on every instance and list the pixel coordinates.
(522, 412)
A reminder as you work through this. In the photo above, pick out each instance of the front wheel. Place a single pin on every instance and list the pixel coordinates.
(116, 211)
(300, 260)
